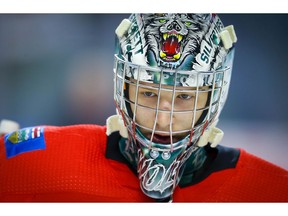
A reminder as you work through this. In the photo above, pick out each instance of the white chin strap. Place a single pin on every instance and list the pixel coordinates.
(8, 126)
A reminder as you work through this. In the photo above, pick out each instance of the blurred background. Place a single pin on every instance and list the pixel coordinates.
(56, 69)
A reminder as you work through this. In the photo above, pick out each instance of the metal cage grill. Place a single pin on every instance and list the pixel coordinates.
(172, 83)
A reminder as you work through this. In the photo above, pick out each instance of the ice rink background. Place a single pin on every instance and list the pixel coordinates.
(56, 69)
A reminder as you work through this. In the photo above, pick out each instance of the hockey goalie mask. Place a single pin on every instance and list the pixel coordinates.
(172, 74)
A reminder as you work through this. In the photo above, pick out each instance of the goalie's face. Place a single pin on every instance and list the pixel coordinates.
(166, 114)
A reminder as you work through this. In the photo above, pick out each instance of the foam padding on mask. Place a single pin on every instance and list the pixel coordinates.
(212, 135)
(123, 28)
(228, 37)
(115, 123)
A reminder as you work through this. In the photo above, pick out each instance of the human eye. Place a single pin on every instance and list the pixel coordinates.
(149, 94)
(185, 96)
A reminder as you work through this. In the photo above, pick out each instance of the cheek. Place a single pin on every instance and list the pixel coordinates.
(198, 114)
(203, 100)
(145, 116)
(183, 121)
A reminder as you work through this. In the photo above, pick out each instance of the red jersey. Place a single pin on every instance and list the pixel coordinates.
(80, 163)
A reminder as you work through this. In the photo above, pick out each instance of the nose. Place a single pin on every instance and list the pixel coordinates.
(164, 118)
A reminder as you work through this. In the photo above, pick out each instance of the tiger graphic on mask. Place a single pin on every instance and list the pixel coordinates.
(173, 38)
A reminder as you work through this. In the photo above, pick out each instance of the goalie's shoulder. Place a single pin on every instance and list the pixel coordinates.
(16, 140)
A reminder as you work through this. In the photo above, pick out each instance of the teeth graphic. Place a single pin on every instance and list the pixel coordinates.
(162, 54)
(179, 37)
(177, 56)
(165, 36)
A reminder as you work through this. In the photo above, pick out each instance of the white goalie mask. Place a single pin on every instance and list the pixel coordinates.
(172, 75)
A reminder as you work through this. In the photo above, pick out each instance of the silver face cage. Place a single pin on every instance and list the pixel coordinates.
(212, 86)
(165, 113)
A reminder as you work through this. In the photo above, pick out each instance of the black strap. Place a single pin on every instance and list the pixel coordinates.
(219, 158)
(113, 152)
(112, 148)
